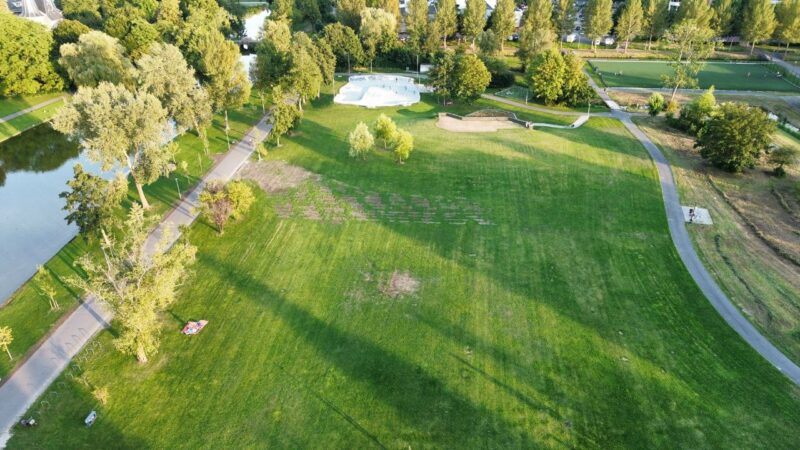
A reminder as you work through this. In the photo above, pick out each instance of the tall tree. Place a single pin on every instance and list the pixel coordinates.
(598, 20)
(546, 76)
(25, 66)
(403, 145)
(360, 140)
(392, 6)
(349, 12)
(441, 75)
(385, 129)
(417, 23)
(564, 18)
(503, 21)
(44, 284)
(698, 10)
(446, 18)
(284, 115)
(304, 77)
(92, 201)
(97, 57)
(693, 44)
(575, 90)
(734, 137)
(724, 17)
(118, 129)
(220, 202)
(788, 15)
(282, 9)
(536, 34)
(344, 43)
(6, 338)
(758, 22)
(654, 19)
(377, 31)
(470, 78)
(137, 285)
(474, 19)
(630, 22)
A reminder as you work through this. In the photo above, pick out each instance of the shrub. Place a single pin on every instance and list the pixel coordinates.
(655, 103)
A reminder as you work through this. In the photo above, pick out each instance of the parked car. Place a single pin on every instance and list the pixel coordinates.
(571, 37)
(608, 40)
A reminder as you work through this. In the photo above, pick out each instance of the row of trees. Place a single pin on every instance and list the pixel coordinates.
(362, 141)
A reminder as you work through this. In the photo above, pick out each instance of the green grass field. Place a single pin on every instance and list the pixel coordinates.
(27, 312)
(25, 122)
(721, 75)
(551, 312)
(10, 105)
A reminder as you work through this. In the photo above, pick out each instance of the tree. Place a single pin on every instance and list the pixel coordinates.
(546, 76)
(630, 22)
(282, 9)
(344, 43)
(163, 72)
(44, 283)
(488, 43)
(6, 338)
(734, 137)
(84, 11)
(536, 34)
(169, 12)
(220, 202)
(699, 11)
(25, 66)
(781, 157)
(724, 17)
(470, 78)
(385, 129)
(392, 6)
(227, 83)
(67, 32)
(576, 89)
(91, 202)
(441, 75)
(696, 113)
(272, 54)
(361, 141)
(446, 18)
(598, 20)
(284, 116)
(97, 57)
(758, 21)
(141, 34)
(474, 19)
(654, 21)
(564, 18)
(403, 145)
(503, 21)
(655, 103)
(377, 31)
(417, 23)
(348, 12)
(138, 285)
(119, 128)
(304, 78)
(693, 44)
(322, 53)
(788, 15)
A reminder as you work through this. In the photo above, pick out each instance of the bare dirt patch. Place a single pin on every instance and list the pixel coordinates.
(474, 126)
(399, 284)
(275, 176)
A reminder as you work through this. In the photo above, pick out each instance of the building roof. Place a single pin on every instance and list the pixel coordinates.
(41, 11)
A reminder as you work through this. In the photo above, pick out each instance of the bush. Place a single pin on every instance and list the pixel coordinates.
(655, 103)
(671, 109)
(502, 77)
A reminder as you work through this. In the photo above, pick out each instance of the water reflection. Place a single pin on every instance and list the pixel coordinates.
(41, 149)
(34, 168)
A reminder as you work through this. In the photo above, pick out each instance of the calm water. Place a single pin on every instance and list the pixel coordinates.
(34, 169)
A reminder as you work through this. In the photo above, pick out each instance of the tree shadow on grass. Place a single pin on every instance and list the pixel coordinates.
(413, 393)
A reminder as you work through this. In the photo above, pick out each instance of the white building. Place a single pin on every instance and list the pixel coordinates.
(40, 11)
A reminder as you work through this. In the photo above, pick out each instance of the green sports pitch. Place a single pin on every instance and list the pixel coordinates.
(721, 75)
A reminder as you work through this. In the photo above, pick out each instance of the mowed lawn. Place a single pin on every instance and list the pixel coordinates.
(721, 75)
(551, 311)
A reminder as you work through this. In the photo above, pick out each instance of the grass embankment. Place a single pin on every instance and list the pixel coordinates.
(27, 121)
(522, 94)
(721, 75)
(565, 320)
(27, 312)
(764, 285)
(10, 105)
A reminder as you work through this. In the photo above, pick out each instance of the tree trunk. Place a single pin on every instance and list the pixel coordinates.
(786, 52)
(674, 91)
(473, 43)
(227, 138)
(105, 237)
(141, 355)
(752, 47)
(9, 353)
(625, 52)
(142, 198)
(649, 40)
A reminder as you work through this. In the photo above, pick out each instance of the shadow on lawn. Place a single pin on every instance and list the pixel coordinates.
(409, 389)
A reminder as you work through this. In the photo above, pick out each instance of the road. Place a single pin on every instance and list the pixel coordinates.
(20, 390)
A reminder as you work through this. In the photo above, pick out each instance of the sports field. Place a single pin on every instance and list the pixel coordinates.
(721, 75)
(516, 289)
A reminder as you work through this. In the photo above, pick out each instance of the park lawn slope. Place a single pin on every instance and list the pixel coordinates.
(545, 307)
(27, 121)
(27, 311)
(721, 75)
(10, 105)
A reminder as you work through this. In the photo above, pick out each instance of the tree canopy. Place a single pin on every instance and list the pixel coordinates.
(25, 65)
(97, 57)
(734, 137)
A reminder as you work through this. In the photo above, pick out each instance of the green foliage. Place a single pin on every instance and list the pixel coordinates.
(782, 157)
(92, 201)
(655, 104)
(344, 43)
(44, 284)
(724, 18)
(220, 202)
(403, 145)
(445, 19)
(348, 12)
(597, 20)
(6, 338)
(140, 36)
(385, 129)
(631, 21)
(564, 17)
(758, 21)
(417, 24)
(84, 11)
(536, 34)
(546, 76)
(787, 13)
(67, 32)
(138, 286)
(696, 113)
(284, 115)
(282, 9)
(671, 109)
(694, 44)
(377, 31)
(503, 21)
(735, 136)
(698, 11)
(25, 66)
(469, 79)
(361, 141)
(654, 21)
(576, 89)
(488, 43)
(474, 19)
(97, 57)
(441, 74)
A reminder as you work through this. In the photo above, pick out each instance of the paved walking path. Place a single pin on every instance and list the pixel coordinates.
(683, 244)
(24, 386)
(29, 109)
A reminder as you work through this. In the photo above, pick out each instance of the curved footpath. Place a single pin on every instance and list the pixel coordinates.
(683, 243)
(27, 382)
